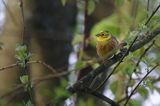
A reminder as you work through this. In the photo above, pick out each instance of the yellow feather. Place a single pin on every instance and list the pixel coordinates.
(106, 45)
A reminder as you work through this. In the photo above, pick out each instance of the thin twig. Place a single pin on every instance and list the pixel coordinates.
(51, 76)
(123, 99)
(148, 2)
(85, 23)
(8, 67)
(30, 62)
(44, 64)
(12, 91)
(126, 53)
(139, 84)
(35, 81)
(145, 51)
(153, 13)
(137, 64)
(23, 20)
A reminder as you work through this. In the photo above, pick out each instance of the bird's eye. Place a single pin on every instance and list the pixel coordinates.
(103, 35)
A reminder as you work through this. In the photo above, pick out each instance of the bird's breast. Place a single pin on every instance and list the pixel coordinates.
(106, 49)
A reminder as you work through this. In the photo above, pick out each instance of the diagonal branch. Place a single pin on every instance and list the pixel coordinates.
(141, 41)
(34, 82)
(100, 96)
(140, 58)
(137, 64)
(30, 62)
(9, 66)
(153, 13)
(139, 84)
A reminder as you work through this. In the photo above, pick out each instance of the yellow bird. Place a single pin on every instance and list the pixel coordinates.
(107, 45)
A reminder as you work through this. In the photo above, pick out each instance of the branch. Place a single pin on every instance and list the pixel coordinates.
(30, 62)
(12, 91)
(138, 44)
(142, 55)
(98, 95)
(51, 76)
(139, 84)
(137, 64)
(125, 54)
(23, 20)
(8, 67)
(153, 13)
(141, 41)
(44, 64)
(38, 80)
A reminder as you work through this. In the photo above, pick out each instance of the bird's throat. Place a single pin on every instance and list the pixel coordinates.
(101, 39)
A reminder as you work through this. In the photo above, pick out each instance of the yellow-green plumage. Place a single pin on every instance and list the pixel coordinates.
(107, 45)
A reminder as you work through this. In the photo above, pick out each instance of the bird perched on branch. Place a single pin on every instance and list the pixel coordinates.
(107, 45)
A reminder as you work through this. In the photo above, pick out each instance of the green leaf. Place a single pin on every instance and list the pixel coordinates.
(143, 91)
(91, 6)
(128, 67)
(148, 82)
(114, 86)
(22, 55)
(61, 92)
(64, 2)
(81, 103)
(134, 103)
(24, 79)
(119, 2)
(128, 70)
(110, 24)
(29, 103)
(77, 39)
(64, 83)
(79, 64)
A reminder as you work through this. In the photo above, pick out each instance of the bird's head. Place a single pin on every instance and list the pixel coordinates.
(103, 36)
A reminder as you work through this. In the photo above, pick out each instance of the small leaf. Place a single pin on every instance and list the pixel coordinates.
(134, 103)
(64, 83)
(91, 6)
(63, 2)
(81, 103)
(24, 79)
(29, 103)
(22, 55)
(79, 64)
(119, 2)
(114, 86)
(143, 91)
(148, 83)
(60, 92)
(77, 39)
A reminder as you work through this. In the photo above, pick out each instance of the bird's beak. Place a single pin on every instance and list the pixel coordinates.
(97, 35)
